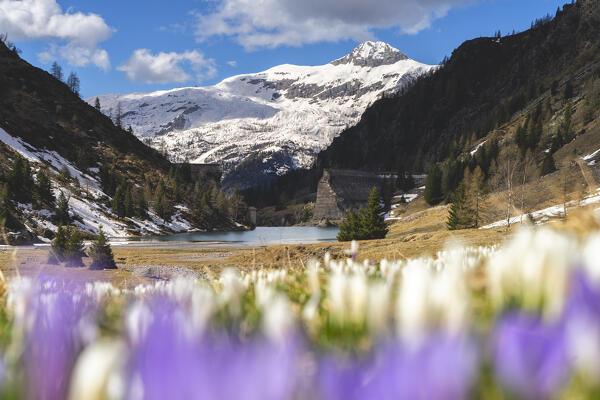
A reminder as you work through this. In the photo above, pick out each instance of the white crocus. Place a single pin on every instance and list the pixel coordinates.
(412, 302)
(378, 309)
(311, 309)
(591, 259)
(357, 291)
(278, 318)
(98, 373)
(232, 289)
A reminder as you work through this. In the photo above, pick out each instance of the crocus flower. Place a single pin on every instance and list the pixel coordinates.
(582, 324)
(169, 362)
(59, 326)
(442, 367)
(530, 356)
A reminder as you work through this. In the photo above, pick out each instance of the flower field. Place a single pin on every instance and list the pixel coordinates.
(518, 321)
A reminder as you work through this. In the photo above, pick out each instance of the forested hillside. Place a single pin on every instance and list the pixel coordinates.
(528, 93)
(55, 145)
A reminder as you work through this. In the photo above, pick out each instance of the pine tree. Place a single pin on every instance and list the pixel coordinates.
(459, 215)
(101, 253)
(350, 227)
(119, 116)
(476, 193)
(97, 104)
(43, 187)
(67, 246)
(118, 201)
(73, 83)
(74, 249)
(61, 213)
(128, 202)
(56, 71)
(64, 174)
(372, 219)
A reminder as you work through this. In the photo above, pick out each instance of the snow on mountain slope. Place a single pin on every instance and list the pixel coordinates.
(86, 199)
(266, 123)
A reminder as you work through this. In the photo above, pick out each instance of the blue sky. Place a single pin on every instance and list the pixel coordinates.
(146, 45)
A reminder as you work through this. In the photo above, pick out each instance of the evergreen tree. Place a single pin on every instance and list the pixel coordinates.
(61, 213)
(119, 116)
(128, 205)
(101, 253)
(67, 246)
(97, 104)
(350, 227)
(460, 214)
(73, 83)
(43, 187)
(74, 248)
(475, 193)
(64, 174)
(56, 71)
(372, 219)
(433, 186)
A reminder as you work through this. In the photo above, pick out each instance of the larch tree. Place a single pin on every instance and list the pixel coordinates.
(56, 71)
(73, 83)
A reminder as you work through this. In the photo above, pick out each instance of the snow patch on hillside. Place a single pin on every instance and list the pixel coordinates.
(88, 214)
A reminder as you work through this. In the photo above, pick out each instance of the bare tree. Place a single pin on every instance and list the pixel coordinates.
(73, 83)
(56, 71)
(506, 170)
(527, 166)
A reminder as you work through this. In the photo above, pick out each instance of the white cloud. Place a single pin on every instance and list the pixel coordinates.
(145, 67)
(272, 23)
(232, 63)
(74, 36)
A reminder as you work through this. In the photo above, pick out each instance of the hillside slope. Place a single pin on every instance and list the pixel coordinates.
(483, 84)
(45, 126)
(530, 101)
(264, 124)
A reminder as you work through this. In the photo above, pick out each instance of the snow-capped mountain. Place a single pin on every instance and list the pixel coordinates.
(263, 124)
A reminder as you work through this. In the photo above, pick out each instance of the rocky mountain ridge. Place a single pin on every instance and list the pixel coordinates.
(262, 125)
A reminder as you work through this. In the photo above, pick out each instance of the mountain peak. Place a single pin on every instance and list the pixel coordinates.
(372, 54)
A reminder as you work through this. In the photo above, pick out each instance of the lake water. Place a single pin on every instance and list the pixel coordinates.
(258, 237)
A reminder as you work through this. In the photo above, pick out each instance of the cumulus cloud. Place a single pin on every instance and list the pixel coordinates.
(145, 67)
(232, 63)
(75, 36)
(272, 23)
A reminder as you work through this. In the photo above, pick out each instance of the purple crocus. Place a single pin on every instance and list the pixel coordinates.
(441, 367)
(530, 356)
(54, 336)
(582, 325)
(171, 361)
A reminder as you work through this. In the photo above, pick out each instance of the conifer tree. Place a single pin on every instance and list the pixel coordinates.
(67, 246)
(43, 187)
(350, 227)
(119, 116)
(372, 219)
(61, 213)
(101, 253)
(459, 215)
(475, 193)
(97, 105)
